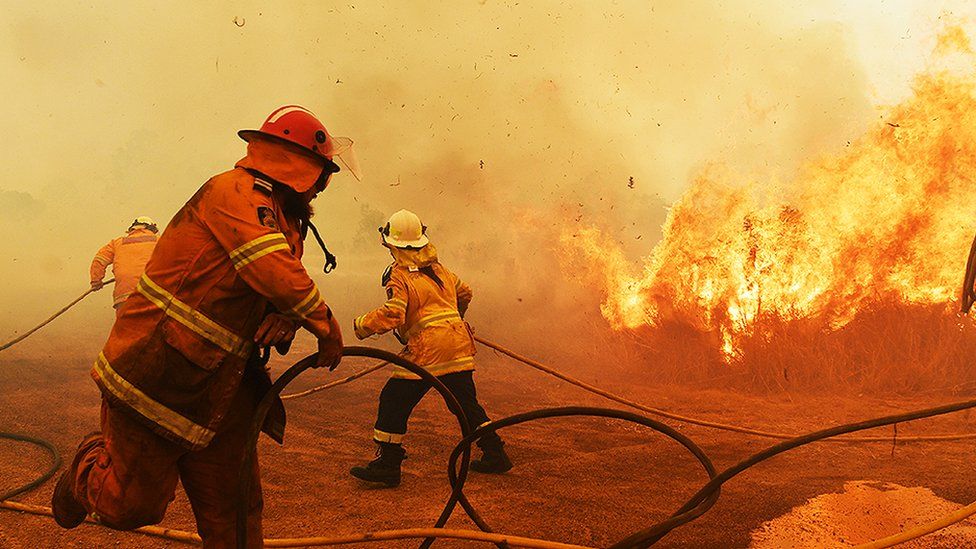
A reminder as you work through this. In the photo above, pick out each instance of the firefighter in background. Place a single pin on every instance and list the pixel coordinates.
(424, 308)
(128, 256)
(181, 373)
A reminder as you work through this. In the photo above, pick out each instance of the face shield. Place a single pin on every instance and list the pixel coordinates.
(341, 150)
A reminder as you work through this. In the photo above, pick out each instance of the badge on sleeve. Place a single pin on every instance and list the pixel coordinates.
(267, 217)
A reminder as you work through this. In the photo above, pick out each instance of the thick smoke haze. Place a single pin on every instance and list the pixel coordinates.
(497, 122)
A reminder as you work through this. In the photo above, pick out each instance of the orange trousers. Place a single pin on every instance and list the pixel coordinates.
(127, 476)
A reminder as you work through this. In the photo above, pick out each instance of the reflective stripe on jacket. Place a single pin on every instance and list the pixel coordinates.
(177, 352)
(128, 256)
(426, 315)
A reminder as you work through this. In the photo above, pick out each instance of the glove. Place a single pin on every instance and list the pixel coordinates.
(97, 285)
(330, 347)
(276, 329)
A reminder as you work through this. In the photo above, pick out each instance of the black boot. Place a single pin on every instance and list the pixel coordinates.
(494, 461)
(385, 468)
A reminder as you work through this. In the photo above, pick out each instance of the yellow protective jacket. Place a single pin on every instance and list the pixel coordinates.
(424, 314)
(128, 256)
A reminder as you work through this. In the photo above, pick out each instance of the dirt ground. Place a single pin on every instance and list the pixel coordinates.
(865, 511)
(585, 481)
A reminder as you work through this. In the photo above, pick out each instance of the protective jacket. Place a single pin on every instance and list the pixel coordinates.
(177, 353)
(425, 314)
(128, 256)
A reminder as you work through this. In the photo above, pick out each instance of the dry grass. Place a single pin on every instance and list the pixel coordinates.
(888, 348)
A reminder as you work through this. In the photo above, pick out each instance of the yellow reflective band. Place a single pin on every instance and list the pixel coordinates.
(307, 305)
(439, 369)
(397, 303)
(193, 319)
(263, 184)
(382, 436)
(437, 317)
(250, 252)
(357, 326)
(154, 411)
(430, 320)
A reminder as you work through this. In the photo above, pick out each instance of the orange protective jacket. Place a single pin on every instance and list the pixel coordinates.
(128, 256)
(426, 315)
(178, 350)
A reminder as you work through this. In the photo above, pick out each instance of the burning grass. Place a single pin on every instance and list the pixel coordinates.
(844, 277)
(885, 348)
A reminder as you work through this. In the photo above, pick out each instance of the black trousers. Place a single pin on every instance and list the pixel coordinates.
(400, 396)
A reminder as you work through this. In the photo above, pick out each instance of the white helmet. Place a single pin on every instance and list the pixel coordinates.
(145, 221)
(404, 230)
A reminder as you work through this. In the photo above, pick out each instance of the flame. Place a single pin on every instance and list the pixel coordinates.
(887, 220)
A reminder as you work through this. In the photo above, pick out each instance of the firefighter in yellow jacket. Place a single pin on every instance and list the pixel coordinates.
(424, 308)
(128, 256)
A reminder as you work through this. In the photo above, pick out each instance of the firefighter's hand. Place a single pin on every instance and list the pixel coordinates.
(330, 347)
(276, 329)
(96, 285)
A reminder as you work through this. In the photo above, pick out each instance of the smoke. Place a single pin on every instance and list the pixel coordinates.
(496, 122)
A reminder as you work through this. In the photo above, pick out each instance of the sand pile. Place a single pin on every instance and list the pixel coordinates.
(864, 511)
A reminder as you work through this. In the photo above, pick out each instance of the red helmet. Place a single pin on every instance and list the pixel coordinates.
(298, 126)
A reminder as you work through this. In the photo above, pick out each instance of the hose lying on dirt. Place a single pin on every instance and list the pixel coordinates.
(649, 536)
(643, 407)
(52, 469)
(921, 530)
(365, 371)
(695, 421)
(465, 444)
(695, 507)
(462, 451)
(60, 312)
(383, 535)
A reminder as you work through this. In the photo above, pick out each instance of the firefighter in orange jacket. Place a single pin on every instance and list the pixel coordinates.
(424, 308)
(180, 375)
(128, 256)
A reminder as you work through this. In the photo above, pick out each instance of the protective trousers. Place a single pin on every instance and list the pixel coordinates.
(400, 396)
(127, 476)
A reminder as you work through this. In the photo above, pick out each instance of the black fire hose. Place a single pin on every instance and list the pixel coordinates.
(55, 463)
(649, 536)
(464, 447)
(457, 475)
(244, 482)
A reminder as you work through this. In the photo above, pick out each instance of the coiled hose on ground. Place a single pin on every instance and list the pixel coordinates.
(462, 451)
(694, 508)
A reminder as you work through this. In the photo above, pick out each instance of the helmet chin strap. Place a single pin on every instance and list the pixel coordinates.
(330, 258)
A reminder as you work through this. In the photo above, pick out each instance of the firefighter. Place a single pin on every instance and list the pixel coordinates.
(424, 309)
(128, 256)
(181, 373)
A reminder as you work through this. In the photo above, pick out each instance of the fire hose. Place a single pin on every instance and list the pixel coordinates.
(695, 507)
(60, 312)
(636, 405)
(463, 450)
